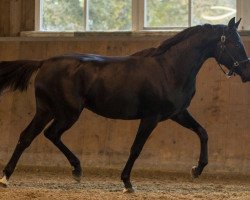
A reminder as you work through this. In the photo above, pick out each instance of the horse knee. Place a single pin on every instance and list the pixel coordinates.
(203, 163)
(202, 134)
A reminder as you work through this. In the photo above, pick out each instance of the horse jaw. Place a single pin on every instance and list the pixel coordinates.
(245, 75)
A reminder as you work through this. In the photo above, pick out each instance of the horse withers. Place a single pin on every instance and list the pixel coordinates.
(152, 85)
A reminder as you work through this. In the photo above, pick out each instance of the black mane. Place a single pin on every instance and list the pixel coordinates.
(167, 44)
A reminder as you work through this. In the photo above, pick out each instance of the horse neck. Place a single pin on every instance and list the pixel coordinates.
(189, 55)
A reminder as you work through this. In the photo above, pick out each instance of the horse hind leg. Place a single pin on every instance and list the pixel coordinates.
(35, 127)
(54, 133)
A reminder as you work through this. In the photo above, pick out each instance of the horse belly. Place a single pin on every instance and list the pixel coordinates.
(115, 108)
(130, 106)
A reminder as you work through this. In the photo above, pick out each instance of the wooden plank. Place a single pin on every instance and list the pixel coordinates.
(28, 15)
(15, 16)
(4, 18)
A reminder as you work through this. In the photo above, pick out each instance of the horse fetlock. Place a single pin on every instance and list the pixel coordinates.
(202, 164)
(4, 181)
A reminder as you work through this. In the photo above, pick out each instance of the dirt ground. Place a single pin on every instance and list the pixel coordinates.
(30, 183)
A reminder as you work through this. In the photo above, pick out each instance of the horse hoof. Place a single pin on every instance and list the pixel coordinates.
(3, 182)
(77, 179)
(77, 175)
(128, 190)
(194, 173)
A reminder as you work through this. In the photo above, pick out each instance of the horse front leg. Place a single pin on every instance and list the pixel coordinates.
(186, 120)
(145, 128)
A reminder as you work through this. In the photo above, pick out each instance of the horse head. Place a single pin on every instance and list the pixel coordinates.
(231, 53)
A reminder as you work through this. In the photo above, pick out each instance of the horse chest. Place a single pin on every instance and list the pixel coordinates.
(181, 100)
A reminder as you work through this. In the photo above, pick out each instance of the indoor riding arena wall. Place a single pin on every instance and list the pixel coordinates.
(221, 105)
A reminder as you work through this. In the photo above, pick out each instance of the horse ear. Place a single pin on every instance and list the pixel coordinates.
(231, 23)
(237, 23)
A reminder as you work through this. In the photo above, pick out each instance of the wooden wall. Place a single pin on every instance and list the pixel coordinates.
(16, 16)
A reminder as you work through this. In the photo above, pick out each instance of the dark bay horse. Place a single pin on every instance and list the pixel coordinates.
(152, 85)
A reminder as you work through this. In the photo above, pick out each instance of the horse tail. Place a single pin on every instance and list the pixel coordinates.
(16, 74)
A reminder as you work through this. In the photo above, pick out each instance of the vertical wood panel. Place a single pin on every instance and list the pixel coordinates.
(16, 16)
(28, 15)
(4, 18)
